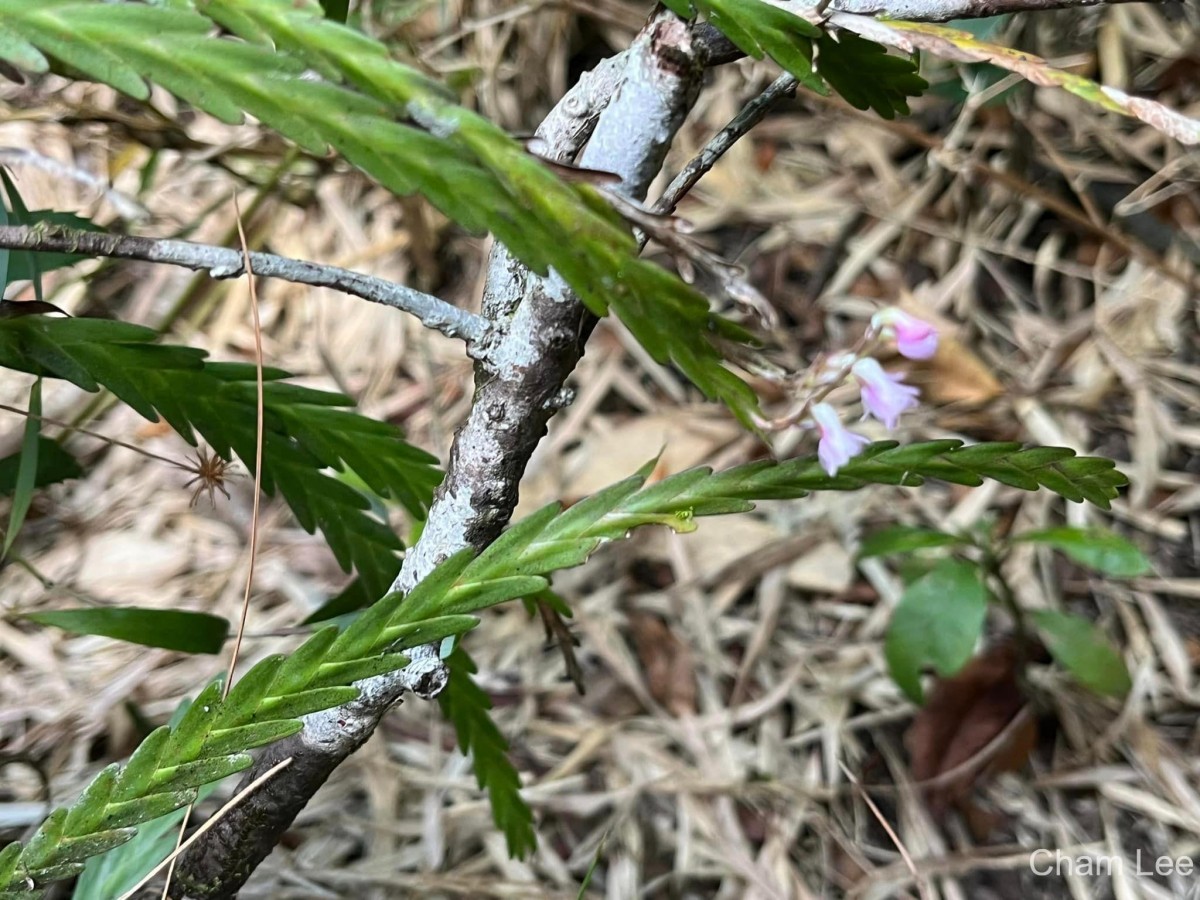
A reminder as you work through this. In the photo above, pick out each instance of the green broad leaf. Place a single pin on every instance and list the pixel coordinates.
(466, 705)
(1096, 548)
(27, 469)
(906, 539)
(938, 622)
(27, 265)
(1083, 650)
(54, 464)
(171, 629)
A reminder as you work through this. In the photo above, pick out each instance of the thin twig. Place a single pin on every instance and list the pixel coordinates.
(61, 423)
(887, 827)
(225, 262)
(751, 114)
(258, 451)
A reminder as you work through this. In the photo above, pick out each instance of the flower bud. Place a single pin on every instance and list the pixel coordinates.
(915, 338)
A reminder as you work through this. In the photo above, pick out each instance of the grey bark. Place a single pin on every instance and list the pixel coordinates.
(542, 328)
(225, 262)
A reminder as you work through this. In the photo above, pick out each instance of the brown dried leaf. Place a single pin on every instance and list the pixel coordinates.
(670, 673)
(956, 375)
(962, 735)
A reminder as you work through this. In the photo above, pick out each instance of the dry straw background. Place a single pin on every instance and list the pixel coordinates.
(735, 678)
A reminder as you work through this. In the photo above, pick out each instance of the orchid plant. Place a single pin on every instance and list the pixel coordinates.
(884, 395)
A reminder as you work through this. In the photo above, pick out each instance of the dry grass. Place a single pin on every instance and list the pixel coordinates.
(735, 675)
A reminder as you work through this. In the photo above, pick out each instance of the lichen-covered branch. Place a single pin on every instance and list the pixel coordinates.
(225, 262)
(541, 330)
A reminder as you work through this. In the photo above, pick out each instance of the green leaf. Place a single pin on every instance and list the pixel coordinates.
(171, 629)
(1083, 650)
(307, 431)
(860, 70)
(532, 549)
(54, 464)
(906, 539)
(400, 127)
(338, 10)
(27, 469)
(1096, 548)
(937, 622)
(466, 705)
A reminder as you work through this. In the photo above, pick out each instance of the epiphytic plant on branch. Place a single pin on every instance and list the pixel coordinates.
(325, 86)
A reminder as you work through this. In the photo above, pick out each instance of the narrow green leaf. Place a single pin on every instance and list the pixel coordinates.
(297, 669)
(228, 741)
(301, 704)
(77, 849)
(8, 861)
(188, 734)
(339, 673)
(244, 697)
(87, 811)
(466, 705)
(404, 635)
(27, 469)
(906, 539)
(171, 629)
(191, 775)
(146, 806)
(135, 777)
(54, 464)
(1083, 650)
(1096, 548)
(937, 622)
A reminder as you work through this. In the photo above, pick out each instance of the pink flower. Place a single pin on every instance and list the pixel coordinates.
(884, 395)
(915, 339)
(837, 445)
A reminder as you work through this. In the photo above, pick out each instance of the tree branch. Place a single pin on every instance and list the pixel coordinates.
(648, 94)
(945, 10)
(718, 50)
(701, 164)
(224, 262)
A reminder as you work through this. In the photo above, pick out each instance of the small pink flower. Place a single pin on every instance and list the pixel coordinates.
(884, 395)
(838, 445)
(915, 339)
